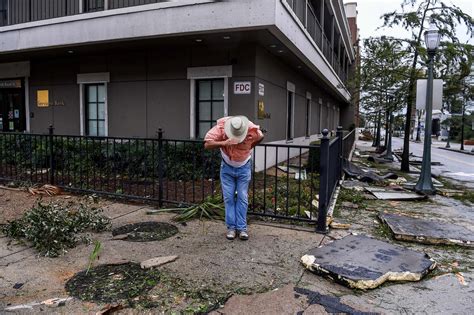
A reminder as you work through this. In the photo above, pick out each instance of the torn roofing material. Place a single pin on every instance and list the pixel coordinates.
(387, 194)
(425, 231)
(364, 175)
(362, 262)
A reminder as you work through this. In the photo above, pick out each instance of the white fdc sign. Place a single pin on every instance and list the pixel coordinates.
(242, 87)
(261, 89)
(437, 94)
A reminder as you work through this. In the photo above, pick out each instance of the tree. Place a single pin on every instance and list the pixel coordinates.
(414, 17)
(383, 79)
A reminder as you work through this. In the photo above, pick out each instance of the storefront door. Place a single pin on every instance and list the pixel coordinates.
(12, 106)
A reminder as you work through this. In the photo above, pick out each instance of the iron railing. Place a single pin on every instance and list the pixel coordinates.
(285, 183)
(348, 144)
(312, 25)
(23, 11)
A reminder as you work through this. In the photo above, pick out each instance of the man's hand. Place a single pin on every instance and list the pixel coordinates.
(230, 142)
(211, 144)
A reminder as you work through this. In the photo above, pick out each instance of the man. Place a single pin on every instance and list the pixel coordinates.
(236, 137)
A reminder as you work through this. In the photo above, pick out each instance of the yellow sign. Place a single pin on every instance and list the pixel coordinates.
(261, 110)
(42, 98)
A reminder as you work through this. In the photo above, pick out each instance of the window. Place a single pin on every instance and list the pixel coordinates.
(308, 115)
(95, 102)
(93, 5)
(209, 104)
(290, 110)
(3, 12)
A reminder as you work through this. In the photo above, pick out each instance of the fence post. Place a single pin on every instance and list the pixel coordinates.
(160, 167)
(321, 226)
(340, 135)
(51, 154)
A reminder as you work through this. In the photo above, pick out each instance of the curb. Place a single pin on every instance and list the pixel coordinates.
(456, 150)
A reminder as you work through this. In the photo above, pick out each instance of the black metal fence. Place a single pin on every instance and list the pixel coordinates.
(348, 145)
(285, 183)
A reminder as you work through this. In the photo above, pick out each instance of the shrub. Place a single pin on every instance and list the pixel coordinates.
(314, 157)
(83, 160)
(53, 228)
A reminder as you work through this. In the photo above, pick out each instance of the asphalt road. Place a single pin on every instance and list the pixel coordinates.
(455, 165)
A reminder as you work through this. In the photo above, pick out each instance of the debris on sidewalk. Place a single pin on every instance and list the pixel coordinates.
(50, 302)
(419, 161)
(340, 226)
(378, 160)
(18, 285)
(145, 231)
(366, 136)
(390, 194)
(460, 278)
(405, 228)
(449, 192)
(331, 304)
(157, 261)
(365, 175)
(362, 262)
(49, 190)
(110, 309)
(354, 185)
(347, 204)
(398, 181)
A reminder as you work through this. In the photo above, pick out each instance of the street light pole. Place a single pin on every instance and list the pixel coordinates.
(449, 134)
(425, 183)
(462, 126)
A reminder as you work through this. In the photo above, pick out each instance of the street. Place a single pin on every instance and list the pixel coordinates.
(454, 165)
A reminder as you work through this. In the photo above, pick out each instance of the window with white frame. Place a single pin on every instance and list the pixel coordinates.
(290, 111)
(209, 104)
(209, 97)
(95, 100)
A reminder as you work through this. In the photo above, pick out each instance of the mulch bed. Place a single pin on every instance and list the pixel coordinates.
(112, 283)
(146, 231)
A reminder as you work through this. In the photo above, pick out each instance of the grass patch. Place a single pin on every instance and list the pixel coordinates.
(353, 196)
(466, 197)
(173, 295)
(383, 231)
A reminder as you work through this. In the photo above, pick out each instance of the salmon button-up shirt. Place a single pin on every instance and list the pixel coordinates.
(240, 152)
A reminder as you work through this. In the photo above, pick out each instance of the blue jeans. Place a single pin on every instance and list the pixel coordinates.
(235, 185)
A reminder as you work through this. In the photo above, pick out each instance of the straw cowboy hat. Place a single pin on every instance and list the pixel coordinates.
(236, 127)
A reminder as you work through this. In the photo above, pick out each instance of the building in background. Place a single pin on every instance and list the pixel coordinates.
(127, 68)
(350, 9)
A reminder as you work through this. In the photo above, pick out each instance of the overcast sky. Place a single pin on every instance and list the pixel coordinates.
(369, 12)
